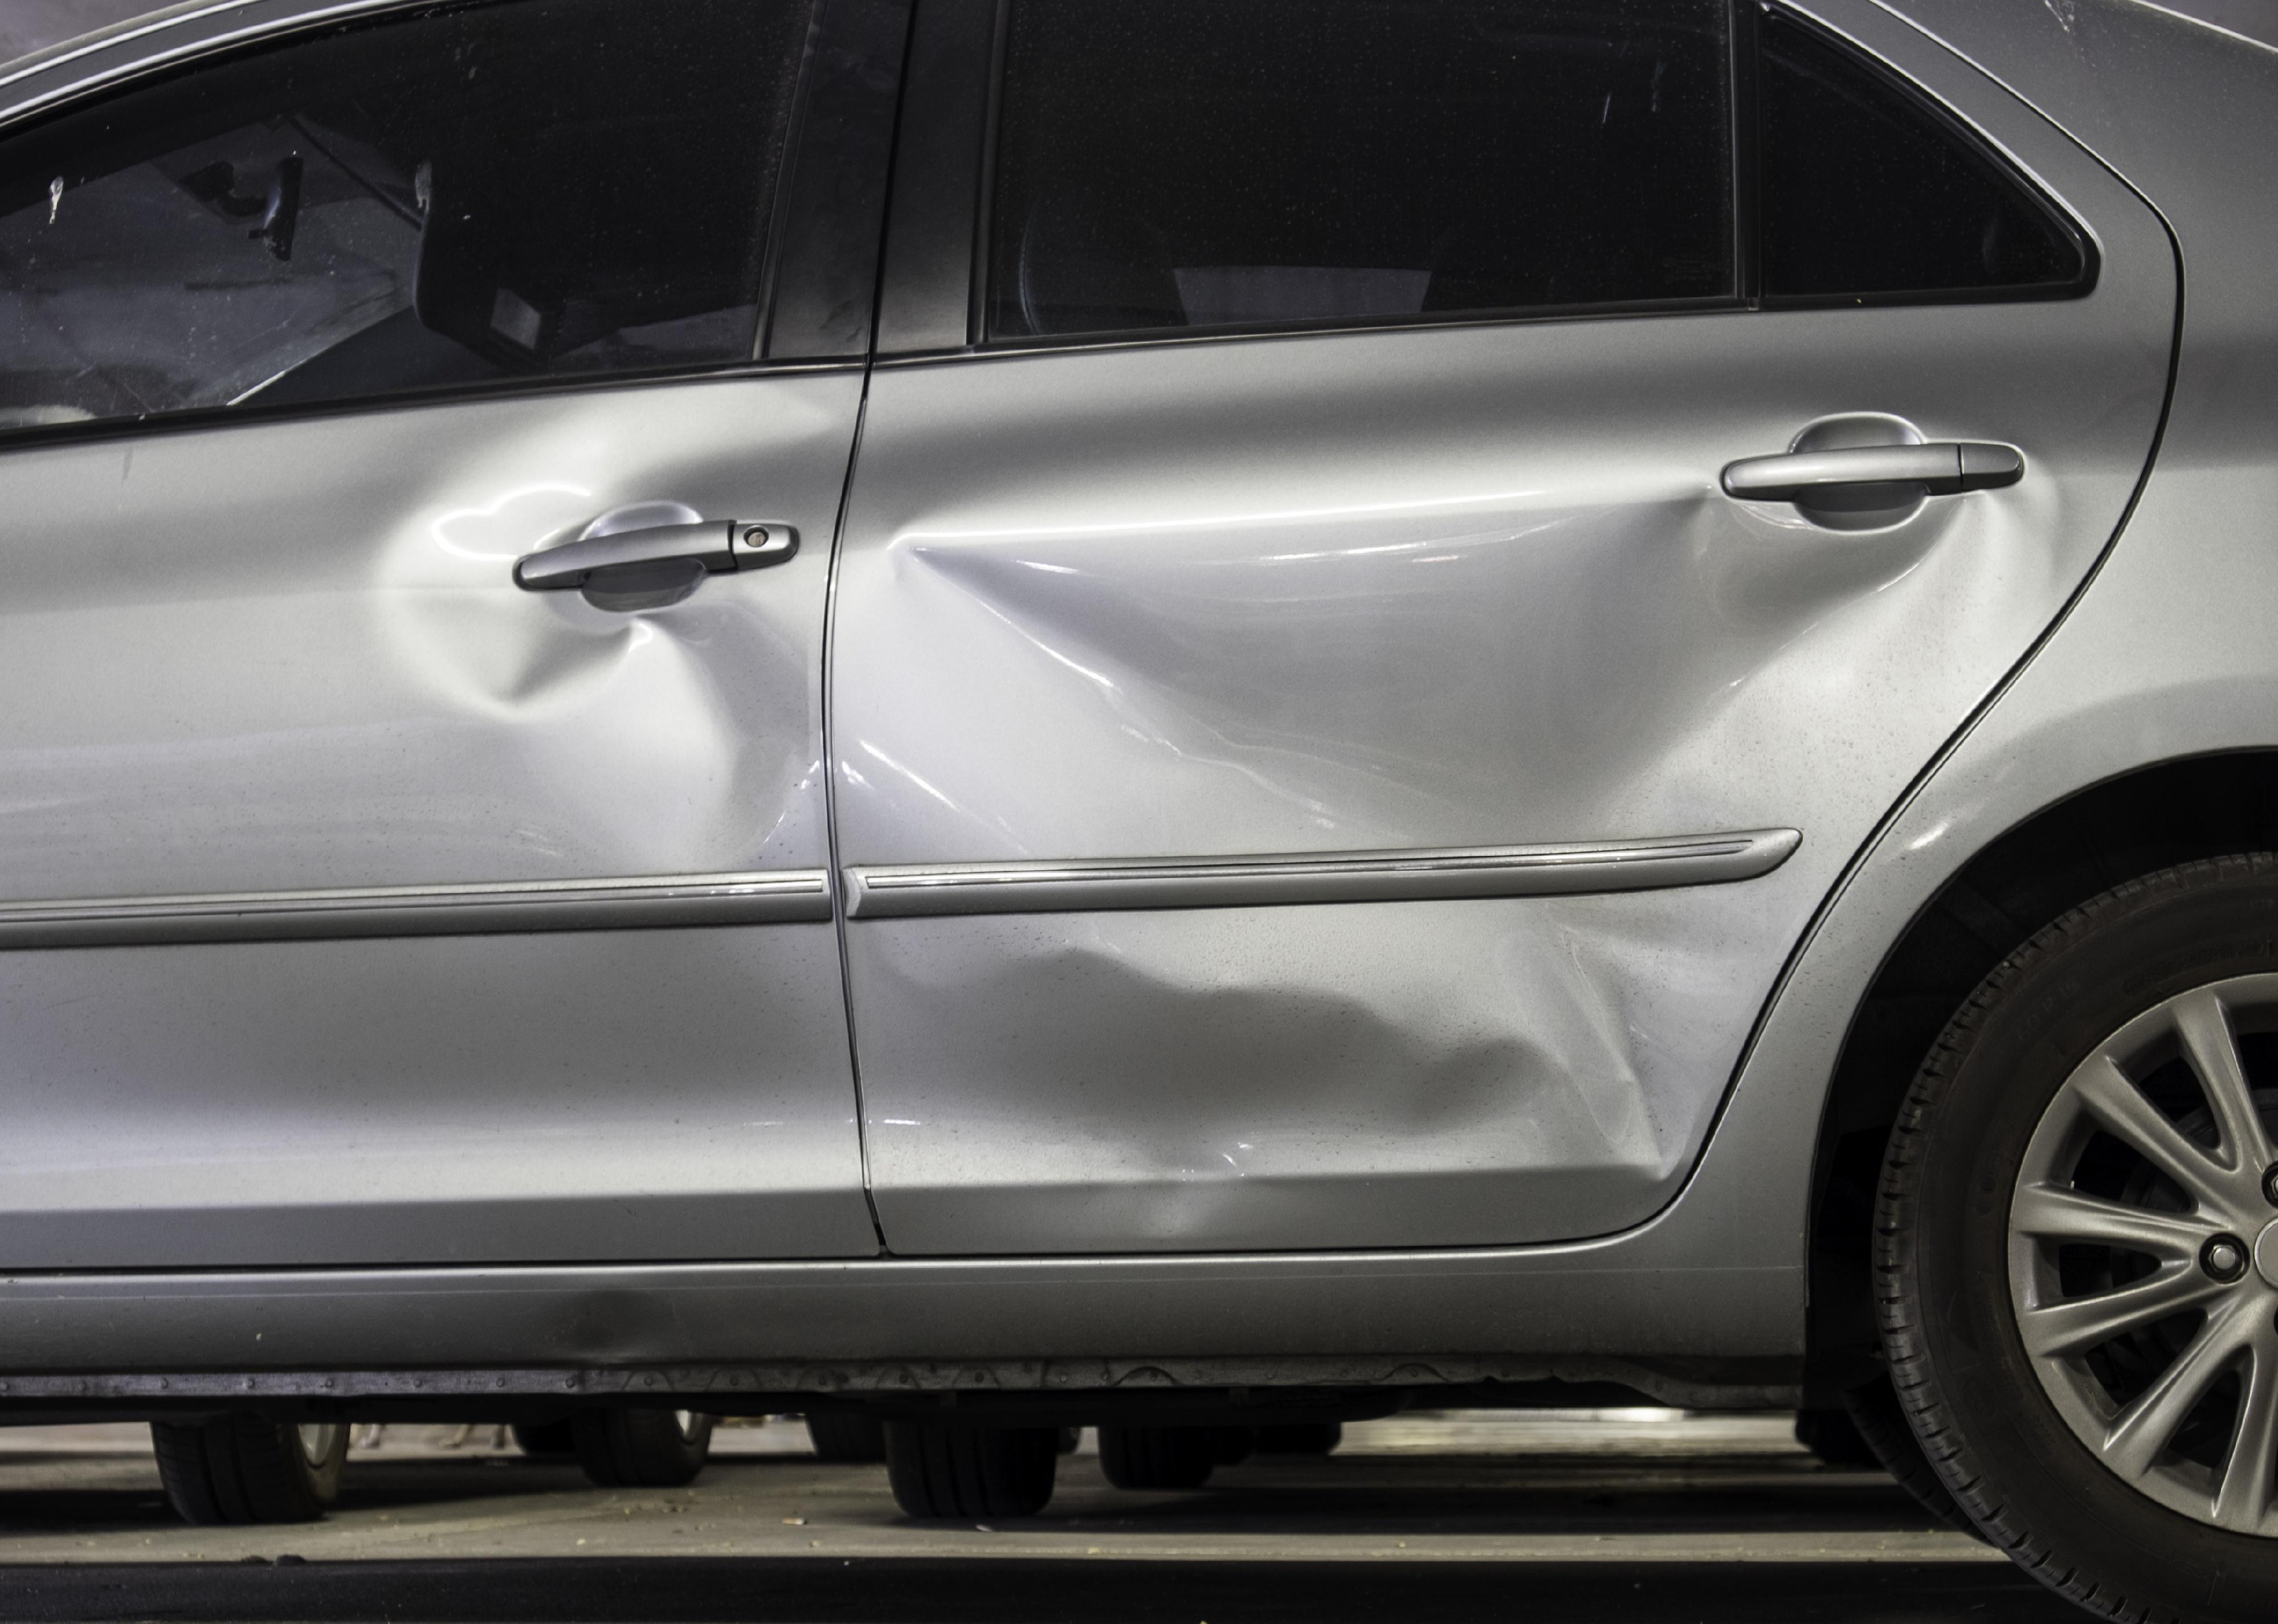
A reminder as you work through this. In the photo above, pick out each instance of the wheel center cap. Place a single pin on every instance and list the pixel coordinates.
(2266, 1252)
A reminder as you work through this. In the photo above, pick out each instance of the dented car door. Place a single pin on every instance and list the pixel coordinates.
(421, 465)
(1347, 692)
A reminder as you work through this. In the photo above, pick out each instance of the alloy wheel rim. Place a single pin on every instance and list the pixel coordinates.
(2143, 1253)
(317, 1440)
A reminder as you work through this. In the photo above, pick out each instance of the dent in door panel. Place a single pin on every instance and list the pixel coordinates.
(1228, 600)
(358, 696)
(1417, 588)
(1535, 1060)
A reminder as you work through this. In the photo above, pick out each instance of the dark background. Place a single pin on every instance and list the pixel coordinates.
(27, 25)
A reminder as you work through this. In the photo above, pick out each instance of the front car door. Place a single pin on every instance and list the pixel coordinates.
(1322, 761)
(363, 906)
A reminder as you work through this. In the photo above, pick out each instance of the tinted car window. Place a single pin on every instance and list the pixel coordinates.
(1164, 163)
(541, 186)
(1868, 190)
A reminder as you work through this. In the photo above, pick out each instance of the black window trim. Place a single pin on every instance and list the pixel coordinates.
(2091, 262)
(825, 15)
(929, 269)
(965, 160)
(199, 418)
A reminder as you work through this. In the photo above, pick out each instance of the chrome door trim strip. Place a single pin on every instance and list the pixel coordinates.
(904, 890)
(780, 896)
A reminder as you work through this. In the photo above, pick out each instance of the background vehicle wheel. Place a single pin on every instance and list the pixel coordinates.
(968, 1472)
(837, 1434)
(547, 1441)
(2076, 1251)
(1301, 1438)
(1159, 1457)
(1833, 1436)
(642, 1449)
(1232, 1445)
(248, 1468)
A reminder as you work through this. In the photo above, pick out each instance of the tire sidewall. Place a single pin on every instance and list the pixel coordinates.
(1974, 1396)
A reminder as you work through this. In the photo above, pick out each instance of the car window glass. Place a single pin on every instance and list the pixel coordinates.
(1164, 163)
(533, 187)
(1868, 190)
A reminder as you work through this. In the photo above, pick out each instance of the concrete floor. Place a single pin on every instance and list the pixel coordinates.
(1613, 1517)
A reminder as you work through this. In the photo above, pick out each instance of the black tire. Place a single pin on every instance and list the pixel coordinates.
(1232, 1445)
(848, 1436)
(1301, 1438)
(642, 1449)
(1159, 1457)
(547, 1441)
(1878, 1421)
(247, 1468)
(1942, 1260)
(966, 1472)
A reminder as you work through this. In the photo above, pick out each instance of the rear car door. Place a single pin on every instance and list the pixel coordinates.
(420, 442)
(1326, 754)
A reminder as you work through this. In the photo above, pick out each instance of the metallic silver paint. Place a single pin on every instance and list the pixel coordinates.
(887, 892)
(1556, 1301)
(290, 657)
(283, 656)
(1462, 586)
(1349, 1075)
(784, 897)
(557, 1096)
(2166, 655)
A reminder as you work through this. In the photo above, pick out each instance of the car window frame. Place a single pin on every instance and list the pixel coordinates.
(1942, 114)
(824, 216)
(935, 294)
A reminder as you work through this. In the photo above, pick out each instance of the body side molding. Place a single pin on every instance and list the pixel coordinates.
(783, 896)
(902, 890)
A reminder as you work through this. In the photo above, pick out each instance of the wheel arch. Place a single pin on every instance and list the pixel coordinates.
(2063, 854)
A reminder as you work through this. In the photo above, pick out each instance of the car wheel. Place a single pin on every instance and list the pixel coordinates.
(970, 1472)
(1232, 1445)
(854, 1438)
(1301, 1438)
(1159, 1457)
(248, 1468)
(551, 1441)
(2076, 1249)
(642, 1449)
(1878, 1421)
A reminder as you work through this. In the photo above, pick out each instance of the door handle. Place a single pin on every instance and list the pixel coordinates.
(1942, 468)
(722, 547)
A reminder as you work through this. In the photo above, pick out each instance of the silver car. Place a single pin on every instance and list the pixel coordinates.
(1194, 716)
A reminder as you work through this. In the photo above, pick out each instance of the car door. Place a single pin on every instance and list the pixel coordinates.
(1326, 754)
(423, 439)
